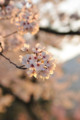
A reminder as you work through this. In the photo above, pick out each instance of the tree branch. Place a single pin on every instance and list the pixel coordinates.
(10, 34)
(19, 67)
(1, 54)
(48, 30)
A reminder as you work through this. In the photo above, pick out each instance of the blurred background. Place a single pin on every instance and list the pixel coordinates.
(24, 98)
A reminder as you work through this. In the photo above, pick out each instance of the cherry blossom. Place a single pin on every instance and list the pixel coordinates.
(39, 63)
(6, 12)
(27, 19)
(25, 48)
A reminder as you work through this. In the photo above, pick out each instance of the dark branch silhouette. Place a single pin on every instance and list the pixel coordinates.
(48, 30)
(1, 54)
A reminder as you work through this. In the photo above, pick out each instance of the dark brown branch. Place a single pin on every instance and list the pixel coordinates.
(1, 48)
(48, 30)
(1, 54)
(19, 67)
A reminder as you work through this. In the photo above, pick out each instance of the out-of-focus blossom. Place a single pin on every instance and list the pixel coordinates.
(26, 47)
(77, 113)
(39, 63)
(59, 113)
(15, 42)
(27, 19)
(1, 2)
(6, 12)
(24, 89)
(5, 101)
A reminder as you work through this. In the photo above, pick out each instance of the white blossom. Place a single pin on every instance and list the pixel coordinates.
(39, 63)
(27, 19)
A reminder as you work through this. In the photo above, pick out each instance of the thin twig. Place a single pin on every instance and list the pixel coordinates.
(10, 34)
(5, 18)
(19, 67)
(1, 54)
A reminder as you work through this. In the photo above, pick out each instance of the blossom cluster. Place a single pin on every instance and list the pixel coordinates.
(6, 11)
(38, 61)
(27, 19)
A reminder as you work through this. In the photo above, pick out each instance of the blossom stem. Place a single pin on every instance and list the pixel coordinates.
(4, 18)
